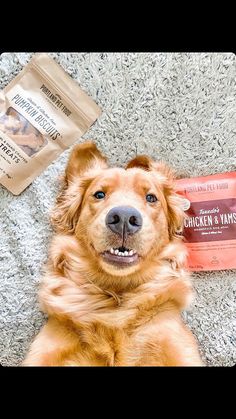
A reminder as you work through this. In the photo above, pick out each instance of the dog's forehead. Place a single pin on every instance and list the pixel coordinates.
(134, 176)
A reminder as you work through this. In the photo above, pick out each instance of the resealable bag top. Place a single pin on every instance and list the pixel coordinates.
(42, 112)
(210, 226)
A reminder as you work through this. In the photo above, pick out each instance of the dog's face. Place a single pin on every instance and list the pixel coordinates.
(124, 217)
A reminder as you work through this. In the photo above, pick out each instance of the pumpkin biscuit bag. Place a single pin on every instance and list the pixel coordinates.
(42, 112)
(210, 226)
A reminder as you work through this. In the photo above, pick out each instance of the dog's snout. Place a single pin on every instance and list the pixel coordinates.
(124, 220)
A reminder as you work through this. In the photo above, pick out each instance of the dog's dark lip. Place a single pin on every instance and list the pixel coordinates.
(120, 261)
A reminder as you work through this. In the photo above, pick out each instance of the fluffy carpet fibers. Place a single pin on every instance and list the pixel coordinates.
(177, 107)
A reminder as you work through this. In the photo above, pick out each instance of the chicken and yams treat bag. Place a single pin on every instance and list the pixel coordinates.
(42, 112)
(210, 226)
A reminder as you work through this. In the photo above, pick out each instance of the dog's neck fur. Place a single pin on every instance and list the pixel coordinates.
(75, 289)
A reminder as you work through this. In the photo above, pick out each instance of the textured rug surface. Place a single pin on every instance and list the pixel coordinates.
(177, 107)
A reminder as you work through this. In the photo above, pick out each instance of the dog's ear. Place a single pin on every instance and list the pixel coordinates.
(85, 162)
(146, 163)
(175, 204)
(142, 161)
(84, 158)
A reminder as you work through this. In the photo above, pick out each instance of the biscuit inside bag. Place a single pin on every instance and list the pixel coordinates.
(210, 226)
(42, 112)
(22, 132)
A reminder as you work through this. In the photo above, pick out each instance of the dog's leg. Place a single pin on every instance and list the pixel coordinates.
(53, 346)
(168, 342)
(180, 349)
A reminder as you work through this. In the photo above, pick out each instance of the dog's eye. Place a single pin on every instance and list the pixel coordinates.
(151, 198)
(99, 195)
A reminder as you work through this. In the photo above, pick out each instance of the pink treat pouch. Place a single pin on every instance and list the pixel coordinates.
(210, 226)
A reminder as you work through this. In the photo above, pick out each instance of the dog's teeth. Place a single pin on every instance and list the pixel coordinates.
(123, 253)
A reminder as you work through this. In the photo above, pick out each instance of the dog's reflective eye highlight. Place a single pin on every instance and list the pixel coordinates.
(99, 195)
(151, 198)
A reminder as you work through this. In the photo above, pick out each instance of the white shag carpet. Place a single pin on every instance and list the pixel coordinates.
(180, 107)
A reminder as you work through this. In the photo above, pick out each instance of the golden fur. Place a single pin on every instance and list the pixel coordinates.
(100, 315)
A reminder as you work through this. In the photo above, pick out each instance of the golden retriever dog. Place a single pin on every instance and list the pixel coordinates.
(115, 282)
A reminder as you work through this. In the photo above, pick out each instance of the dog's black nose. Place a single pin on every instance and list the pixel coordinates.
(124, 220)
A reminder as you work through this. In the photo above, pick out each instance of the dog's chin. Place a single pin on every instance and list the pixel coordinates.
(118, 269)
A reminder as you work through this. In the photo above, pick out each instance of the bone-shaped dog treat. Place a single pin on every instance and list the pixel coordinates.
(27, 140)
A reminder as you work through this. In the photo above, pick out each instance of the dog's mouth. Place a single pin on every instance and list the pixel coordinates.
(121, 256)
